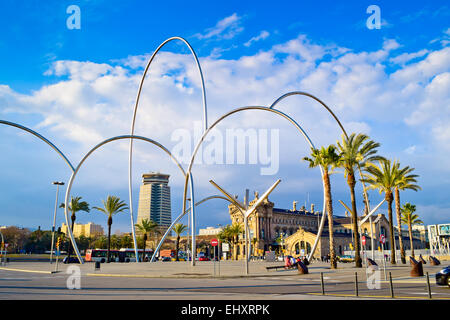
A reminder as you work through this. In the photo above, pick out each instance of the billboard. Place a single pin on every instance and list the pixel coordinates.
(444, 229)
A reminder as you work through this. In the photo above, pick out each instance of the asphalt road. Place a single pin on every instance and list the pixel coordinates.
(20, 285)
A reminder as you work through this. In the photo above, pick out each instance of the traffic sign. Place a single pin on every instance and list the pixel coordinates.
(214, 242)
(363, 240)
(225, 247)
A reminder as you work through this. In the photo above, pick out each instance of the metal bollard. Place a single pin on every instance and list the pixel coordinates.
(356, 284)
(391, 286)
(322, 284)
(428, 286)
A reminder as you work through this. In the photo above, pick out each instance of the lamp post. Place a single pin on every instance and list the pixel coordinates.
(54, 218)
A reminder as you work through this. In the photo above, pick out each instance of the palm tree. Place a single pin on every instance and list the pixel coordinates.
(410, 219)
(178, 229)
(235, 230)
(328, 159)
(356, 151)
(146, 226)
(405, 181)
(384, 177)
(111, 206)
(75, 205)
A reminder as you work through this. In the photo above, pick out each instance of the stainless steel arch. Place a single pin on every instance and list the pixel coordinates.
(182, 215)
(72, 177)
(12, 124)
(366, 198)
(205, 120)
(188, 173)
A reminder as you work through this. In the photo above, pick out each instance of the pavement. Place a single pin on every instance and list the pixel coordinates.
(179, 280)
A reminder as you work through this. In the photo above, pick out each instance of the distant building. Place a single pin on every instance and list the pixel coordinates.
(88, 230)
(154, 200)
(210, 231)
(296, 229)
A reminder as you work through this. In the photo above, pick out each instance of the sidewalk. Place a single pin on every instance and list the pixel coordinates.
(205, 269)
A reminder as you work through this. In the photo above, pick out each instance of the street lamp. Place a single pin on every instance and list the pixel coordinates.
(54, 218)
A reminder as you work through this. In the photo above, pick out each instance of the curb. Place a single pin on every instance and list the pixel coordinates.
(30, 271)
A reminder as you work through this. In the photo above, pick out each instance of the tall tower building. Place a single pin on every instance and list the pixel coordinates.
(154, 200)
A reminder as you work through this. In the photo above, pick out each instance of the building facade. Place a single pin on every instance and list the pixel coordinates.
(88, 230)
(154, 200)
(295, 230)
(209, 231)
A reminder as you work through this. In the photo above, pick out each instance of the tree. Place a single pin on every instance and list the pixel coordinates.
(405, 181)
(384, 177)
(111, 207)
(146, 227)
(178, 229)
(355, 152)
(410, 219)
(234, 231)
(75, 205)
(328, 159)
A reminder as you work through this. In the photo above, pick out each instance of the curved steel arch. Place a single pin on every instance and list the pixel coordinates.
(292, 93)
(188, 173)
(72, 177)
(182, 215)
(62, 155)
(205, 119)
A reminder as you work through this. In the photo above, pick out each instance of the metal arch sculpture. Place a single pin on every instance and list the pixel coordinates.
(182, 215)
(188, 173)
(205, 121)
(72, 177)
(302, 93)
(61, 154)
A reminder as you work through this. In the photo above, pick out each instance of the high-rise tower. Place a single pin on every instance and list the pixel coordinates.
(154, 200)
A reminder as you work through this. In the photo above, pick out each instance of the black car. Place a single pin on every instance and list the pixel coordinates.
(443, 277)
(71, 260)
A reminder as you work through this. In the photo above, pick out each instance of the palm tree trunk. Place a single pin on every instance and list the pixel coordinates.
(329, 203)
(411, 239)
(145, 243)
(351, 182)
(391, 226)
(399, 223)
(177, 247)
(109, 239)
(73, 218)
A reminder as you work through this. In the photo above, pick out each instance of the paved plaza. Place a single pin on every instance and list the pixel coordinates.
(179, 280)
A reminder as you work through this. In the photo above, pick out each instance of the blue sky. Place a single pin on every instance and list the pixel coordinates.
(77, 87)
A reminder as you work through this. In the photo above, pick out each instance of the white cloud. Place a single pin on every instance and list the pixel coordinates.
(406, 57)
(226, 28)
(261, 36)
(95, 101)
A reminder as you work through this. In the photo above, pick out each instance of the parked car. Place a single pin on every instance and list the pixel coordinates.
(166, 259)
(443, 277)
(203, 258)
(346, 259)
(71, 260)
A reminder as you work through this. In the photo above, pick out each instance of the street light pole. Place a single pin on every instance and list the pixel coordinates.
(54, 218)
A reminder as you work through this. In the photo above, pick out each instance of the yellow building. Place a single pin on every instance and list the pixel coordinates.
(295, 230)
(88, 230)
